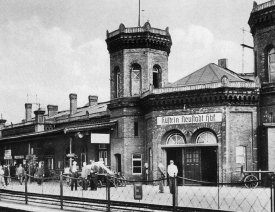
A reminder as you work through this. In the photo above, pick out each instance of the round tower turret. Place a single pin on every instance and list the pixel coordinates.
(138, 59)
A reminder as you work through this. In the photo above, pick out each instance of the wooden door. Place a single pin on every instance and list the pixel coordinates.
(192, 164)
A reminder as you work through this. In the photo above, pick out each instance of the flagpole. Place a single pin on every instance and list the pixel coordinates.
(139, 13)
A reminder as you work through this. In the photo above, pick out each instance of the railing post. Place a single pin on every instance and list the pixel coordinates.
(26, 187)
(272, 193)
(61, 191)
(108, 193)
(174, 193)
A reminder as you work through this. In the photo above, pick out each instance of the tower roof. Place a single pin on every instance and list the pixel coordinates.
(208, 74)
(139, 37)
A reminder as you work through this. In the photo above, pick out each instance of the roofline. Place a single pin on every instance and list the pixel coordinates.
(34, 134)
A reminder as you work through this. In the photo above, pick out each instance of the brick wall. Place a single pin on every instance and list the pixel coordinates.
(146, 58)
(241, 130)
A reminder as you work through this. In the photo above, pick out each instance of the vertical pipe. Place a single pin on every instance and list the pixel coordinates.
(139, 13)
(174, 192)
(273, 199)
(26, 188)
(71, 151)
(61, 191)
(108, 194)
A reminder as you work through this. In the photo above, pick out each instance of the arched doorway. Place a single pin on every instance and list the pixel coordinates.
(174, 152)
(200, 160)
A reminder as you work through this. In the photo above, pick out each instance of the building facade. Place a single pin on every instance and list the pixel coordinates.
(211, 122)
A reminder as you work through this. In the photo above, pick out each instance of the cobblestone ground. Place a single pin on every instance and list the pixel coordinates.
(226, 198)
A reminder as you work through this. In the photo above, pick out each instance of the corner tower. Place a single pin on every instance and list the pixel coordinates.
(138, 63)
(262, 25)
(138, 59)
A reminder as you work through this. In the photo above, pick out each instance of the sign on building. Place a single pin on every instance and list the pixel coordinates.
(240, 154)
(7, 155)
(190, 119)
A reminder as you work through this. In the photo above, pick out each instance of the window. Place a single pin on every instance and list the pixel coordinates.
(136, 128)
(206, 137)
(136, 79)
(156, 76)
(136, 164)
(103, 156)
(50, 163)
(271, 65)
(102, 146)
(116, 82)
(175, 138)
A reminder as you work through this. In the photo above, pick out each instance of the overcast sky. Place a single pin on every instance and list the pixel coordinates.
(49, 49)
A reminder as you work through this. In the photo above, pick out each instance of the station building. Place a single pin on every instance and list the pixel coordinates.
(210, 122)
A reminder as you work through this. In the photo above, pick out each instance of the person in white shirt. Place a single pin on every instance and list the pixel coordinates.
(172, 172)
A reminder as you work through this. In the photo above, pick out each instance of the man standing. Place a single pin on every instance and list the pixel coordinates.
(172, 172)
(20, 173)
(84, 174)
(93, 176)
(162, 176)
(6, 174)
(74, 175)
(40, 174)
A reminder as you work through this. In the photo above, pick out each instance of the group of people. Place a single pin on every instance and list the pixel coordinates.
(16, 171)
(88, 172)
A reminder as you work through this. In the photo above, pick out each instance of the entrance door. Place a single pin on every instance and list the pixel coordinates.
(209, 164)
(192, 164)
(175, 154)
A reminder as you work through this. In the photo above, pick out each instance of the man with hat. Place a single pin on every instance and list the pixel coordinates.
(74, 175)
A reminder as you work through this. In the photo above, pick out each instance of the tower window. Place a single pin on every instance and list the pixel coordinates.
(136, 128)
(156, 76)
(136, 79)
(271, 65)
(116, 82)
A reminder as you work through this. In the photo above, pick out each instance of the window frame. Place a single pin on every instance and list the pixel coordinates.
(203, 133)
(136, 71)
(116, 82)
(157, 73)
(133, 166)
(271, 74)
(175, 134)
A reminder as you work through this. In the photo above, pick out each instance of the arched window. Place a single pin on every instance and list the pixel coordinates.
(116, 82)
(271, 65)
(135, 79)
(175, 138)
(156, 76)
(206, 137)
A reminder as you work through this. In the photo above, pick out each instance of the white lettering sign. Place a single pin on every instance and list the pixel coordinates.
(190, 119)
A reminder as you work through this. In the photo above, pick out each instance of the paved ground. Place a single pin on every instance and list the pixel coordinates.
(225, 198)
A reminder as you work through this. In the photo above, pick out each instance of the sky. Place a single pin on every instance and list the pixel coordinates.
(51, 48)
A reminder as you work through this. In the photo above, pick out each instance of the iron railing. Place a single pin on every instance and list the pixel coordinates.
(119, 194)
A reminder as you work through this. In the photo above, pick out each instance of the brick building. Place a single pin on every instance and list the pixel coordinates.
(210, 122)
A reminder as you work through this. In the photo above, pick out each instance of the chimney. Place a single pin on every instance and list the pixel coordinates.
(222, 63)
(52, 110)
(2, 125)
(28, 112)
(93, 100)
(73, 103)
(39, 116)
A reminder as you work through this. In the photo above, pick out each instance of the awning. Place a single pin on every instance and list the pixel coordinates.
(32, 135)
(90, 127)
